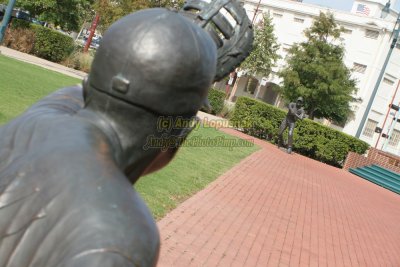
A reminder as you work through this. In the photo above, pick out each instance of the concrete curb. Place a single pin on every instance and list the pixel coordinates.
(41, 62)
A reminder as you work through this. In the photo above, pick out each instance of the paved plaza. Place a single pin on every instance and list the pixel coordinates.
(275, 209)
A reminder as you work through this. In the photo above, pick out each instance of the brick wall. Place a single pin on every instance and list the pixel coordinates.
(374, 156)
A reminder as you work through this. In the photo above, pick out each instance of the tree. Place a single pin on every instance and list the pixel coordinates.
(111, 10)
(264, 54)
(68, 14)
(315, 71)
(177, 4)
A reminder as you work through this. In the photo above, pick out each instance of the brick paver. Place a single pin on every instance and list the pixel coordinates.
(275, 209)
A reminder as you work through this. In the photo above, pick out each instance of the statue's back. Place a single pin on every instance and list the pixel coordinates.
(63, 202)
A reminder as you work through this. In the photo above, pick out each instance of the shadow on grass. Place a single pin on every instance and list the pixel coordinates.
(192, 170)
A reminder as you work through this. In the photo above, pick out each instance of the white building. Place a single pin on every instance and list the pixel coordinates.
(367, 42)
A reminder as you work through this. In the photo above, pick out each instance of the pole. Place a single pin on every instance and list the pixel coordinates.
(255, 12)
(387, 113)
(80, 32)
(258, 90)
(91, 34)
(6, 19)
(391, 130)
(378, 81)
(233, 92)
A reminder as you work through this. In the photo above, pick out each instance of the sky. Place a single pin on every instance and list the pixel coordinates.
(341, 4)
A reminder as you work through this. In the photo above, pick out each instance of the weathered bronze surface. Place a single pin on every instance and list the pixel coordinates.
(68, 163)
(295, 112)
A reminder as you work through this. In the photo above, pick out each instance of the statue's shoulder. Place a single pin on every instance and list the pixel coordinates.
(66, 100)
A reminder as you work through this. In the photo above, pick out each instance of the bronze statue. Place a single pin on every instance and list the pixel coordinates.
(295, 112)
(68, 163)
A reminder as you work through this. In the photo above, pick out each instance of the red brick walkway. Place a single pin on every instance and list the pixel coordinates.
(275, 209)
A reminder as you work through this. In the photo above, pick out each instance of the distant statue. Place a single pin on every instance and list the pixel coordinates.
(68, 163)
(295, 112)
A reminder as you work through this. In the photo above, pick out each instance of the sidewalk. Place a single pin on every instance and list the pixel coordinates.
(67, 71)
(275, 209)
(41, 62)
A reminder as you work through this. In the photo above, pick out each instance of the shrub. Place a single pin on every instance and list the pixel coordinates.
(261, 120)
(226, 112)
(52, 45)
(40, 41)
(21, 36)
(79, 61)
(20, 23)
(216, 98)
(20, 39)
(310, 138)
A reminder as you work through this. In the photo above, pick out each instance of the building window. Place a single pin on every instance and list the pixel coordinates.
(394, 139)
(277, 15)
(347, 31)
(371, 34)
(369, 128)
(357, 67)
(388, 81)
(299, 20)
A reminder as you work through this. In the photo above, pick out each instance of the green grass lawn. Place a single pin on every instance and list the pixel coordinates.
(22, 84)
(191, 170)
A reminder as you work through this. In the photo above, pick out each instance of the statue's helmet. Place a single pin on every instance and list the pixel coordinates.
(300, 100)
(155, 59)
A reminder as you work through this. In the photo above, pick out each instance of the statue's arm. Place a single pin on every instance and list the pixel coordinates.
(302, 114)
(292, 108)
(96, 258)
(67, 100)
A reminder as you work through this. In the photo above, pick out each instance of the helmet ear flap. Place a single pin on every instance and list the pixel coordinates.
(120, 84)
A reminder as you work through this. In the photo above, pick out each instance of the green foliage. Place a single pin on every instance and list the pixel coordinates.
(110, 11)
(216, 98)
(227, 111)
(310, 138)
(177, 4)
(316, 72)
(52, 45)
(264, 119)
(20, 24)
(40, 41)
(79, 61)
(324, 29)
(264, 54)
(20, 36)
(68, 14)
